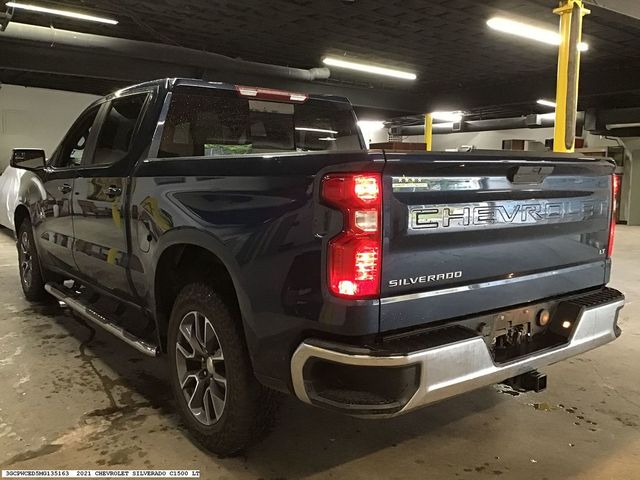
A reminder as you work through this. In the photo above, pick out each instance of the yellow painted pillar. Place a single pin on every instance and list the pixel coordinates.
(571, 13)
(428, 131)
(112, 256)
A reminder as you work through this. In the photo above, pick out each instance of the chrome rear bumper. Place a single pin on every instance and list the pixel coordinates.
(458, 367)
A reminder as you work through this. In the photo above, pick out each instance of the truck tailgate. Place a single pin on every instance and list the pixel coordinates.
(471, 233)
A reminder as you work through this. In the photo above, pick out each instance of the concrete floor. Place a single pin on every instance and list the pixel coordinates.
(73, 397)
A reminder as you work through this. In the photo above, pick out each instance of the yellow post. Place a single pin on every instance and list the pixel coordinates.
(571, 13)
(428, 131)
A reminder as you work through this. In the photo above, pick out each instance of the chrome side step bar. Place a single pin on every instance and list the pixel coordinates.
(97, 319)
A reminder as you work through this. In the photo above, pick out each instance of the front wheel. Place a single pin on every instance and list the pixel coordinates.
(29, 264)
(215, 389)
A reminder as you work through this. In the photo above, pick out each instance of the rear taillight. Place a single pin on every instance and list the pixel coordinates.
(615, 187)
(355, 255)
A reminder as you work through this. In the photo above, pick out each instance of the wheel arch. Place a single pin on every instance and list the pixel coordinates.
(19, 214)
(180, 259)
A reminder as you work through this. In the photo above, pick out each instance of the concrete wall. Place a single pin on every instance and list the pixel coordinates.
(36, 117)
(373, 133)
(632, 178)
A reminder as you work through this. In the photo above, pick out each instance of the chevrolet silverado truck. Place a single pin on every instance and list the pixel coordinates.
(248, 235)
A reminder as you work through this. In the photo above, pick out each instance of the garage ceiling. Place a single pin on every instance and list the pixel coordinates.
(460, 63)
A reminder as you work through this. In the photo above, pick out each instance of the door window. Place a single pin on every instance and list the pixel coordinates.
(73, 146)
(118, 128)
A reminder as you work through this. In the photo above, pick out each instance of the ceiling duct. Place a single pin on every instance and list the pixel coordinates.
(617, 122)
(55, 38)
(530, 121)
(5, 18)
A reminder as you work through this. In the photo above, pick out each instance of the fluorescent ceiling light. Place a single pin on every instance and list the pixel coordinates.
(61, 13)
(318, 130)
(361, 67)
(328, 139)
(529, 31)
(546, 103)
(447, 116)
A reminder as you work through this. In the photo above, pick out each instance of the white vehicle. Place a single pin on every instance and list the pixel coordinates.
(9, 185)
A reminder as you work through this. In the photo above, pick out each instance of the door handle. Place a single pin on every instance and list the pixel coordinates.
(64, 188)
(113, 191)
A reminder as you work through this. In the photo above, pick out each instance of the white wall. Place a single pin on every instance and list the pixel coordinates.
(632, 179)
(36, 117)
(373, 131)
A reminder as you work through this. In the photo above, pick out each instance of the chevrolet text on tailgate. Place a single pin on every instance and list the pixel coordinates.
(247, 234)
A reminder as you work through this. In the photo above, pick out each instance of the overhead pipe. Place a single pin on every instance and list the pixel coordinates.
(530, 121)
(145, 50)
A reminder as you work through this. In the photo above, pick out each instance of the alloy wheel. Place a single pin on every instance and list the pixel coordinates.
(26, 260)
(200, 368)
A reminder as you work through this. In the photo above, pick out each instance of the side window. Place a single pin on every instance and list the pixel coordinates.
(73, 145)
(116, 133)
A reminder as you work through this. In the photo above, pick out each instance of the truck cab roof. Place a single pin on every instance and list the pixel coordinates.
(168, 84)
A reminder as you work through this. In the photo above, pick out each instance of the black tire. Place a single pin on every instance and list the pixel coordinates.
(29, 264)
(247, 406)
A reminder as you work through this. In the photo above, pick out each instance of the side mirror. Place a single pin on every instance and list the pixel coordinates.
(28, 158)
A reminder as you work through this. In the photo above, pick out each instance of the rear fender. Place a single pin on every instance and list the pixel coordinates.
(209, 242)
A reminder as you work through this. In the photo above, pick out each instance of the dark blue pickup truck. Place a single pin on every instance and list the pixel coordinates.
(249, 235)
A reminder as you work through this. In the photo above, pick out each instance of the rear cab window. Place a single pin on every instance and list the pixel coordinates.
(209, 122)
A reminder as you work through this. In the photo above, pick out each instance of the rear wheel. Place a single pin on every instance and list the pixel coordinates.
(29, 263)
(216, 392)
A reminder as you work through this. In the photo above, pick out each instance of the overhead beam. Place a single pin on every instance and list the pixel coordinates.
(78, 62)
(31, 58)
(121, 47)
(617, 122)
(19, 56)
(91, 64)
(630, 8)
